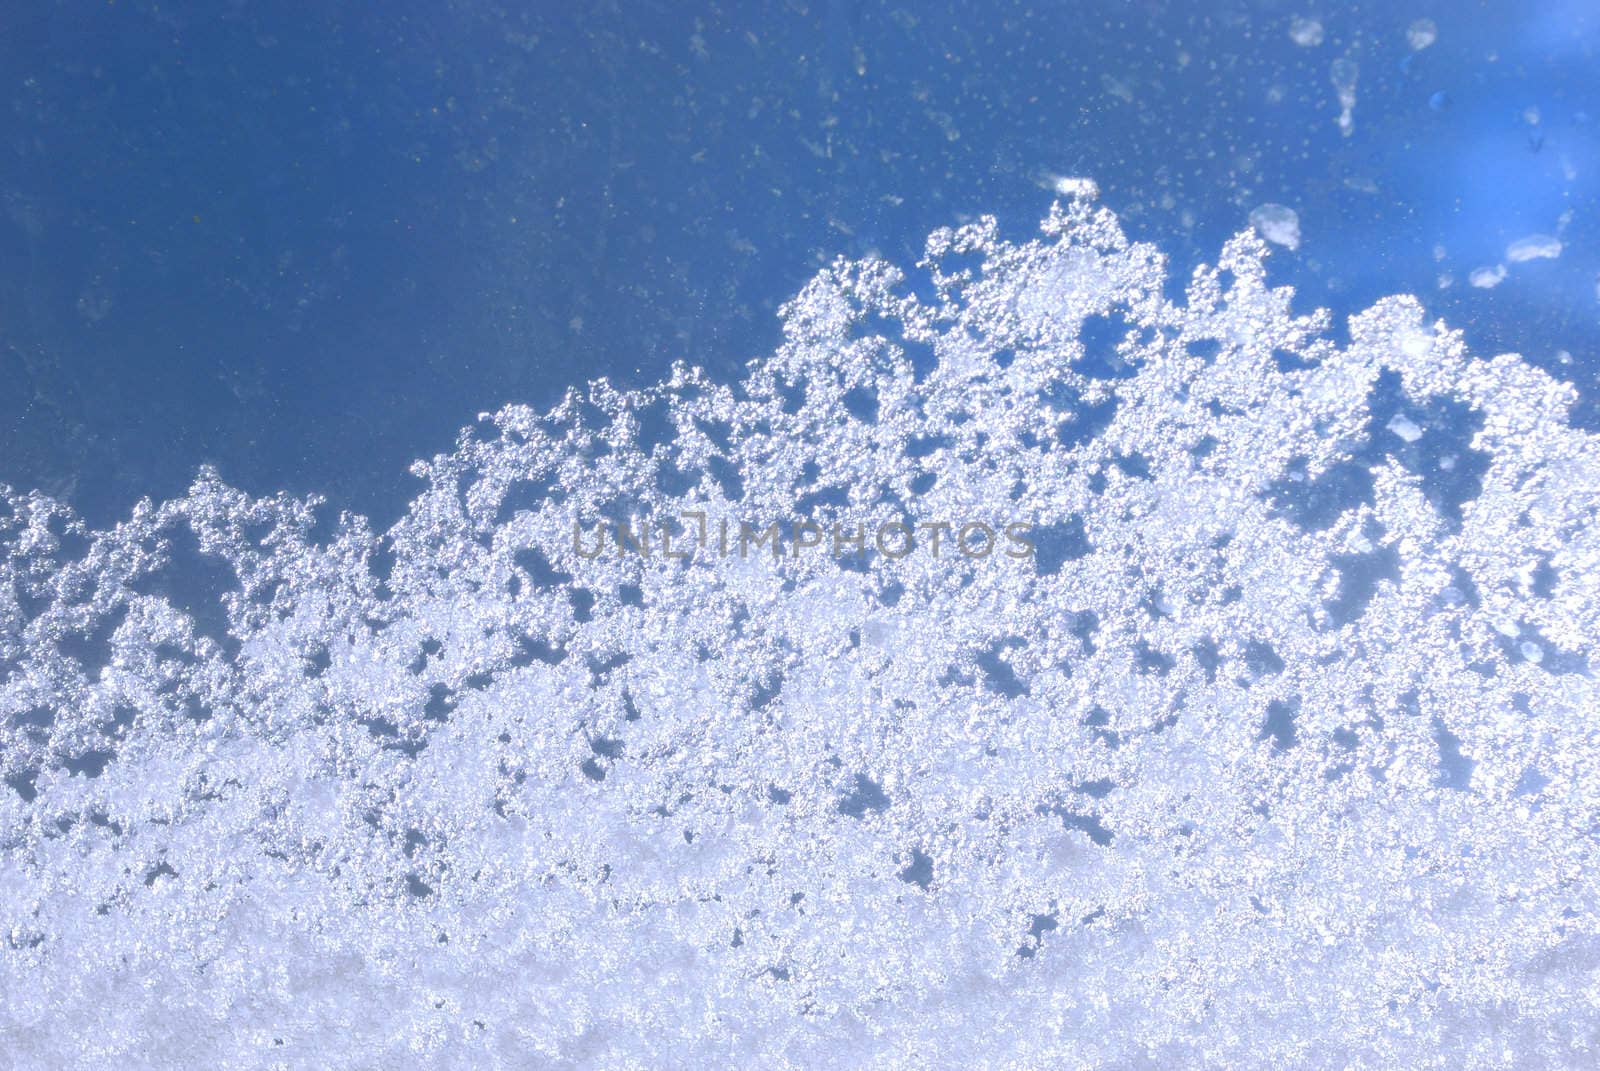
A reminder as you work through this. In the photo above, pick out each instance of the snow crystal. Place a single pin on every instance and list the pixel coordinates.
(1075, 186)
(1487, 278)
(1277, 224)
(1404, 427)
(1344, 73)
(1251, 764)
(1305, 32)
(1533, 247)
(1421, 33)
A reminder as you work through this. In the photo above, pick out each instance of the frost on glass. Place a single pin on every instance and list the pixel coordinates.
(1279, 752)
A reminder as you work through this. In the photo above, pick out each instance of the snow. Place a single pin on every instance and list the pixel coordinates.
(1278, 224)
(1421, 34)
(1533, 247)
(1405, 427)
(1305, 32)
(1487, 278)
(1270, 756)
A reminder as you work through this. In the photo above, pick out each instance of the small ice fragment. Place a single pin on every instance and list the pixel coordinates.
(1405, 427)
(1277, 223)
(1421, 33)
(1307, 33)
(1117, 87)
(1533, 247)
(1532, 651)
(1447, 463)
(1530, 115)
(1487, 278)
(1074, 186)
(1440, 101)
(1344, 74)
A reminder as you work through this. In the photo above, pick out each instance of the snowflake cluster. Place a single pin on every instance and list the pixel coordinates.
(1280, 751)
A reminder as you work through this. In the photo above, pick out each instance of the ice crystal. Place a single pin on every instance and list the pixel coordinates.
(1279, 752)
(1278, 224)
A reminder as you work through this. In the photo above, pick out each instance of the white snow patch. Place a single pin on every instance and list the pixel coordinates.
(1305, 32)
(1487, 278)
(1533, 247)
(1278, 224)
(1421, 33)
(1405, 427)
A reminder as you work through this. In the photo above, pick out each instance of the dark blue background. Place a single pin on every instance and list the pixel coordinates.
(307, 243)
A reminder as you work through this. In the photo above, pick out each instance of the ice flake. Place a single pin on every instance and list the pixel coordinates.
(1405, 427)
(1278, 224)
(1487, 278)
(1421, 34)
(1533, 247)
(1305, 32)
